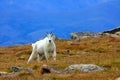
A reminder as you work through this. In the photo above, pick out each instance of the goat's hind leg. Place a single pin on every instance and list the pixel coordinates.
(32, 56)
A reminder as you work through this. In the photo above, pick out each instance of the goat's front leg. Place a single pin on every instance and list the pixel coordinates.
(54, 55)
(39, 57)
(46, 55)
(54, 52)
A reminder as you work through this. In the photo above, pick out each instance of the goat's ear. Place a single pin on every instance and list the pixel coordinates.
(51, 33)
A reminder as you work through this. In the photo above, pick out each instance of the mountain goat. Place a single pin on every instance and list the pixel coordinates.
(43, 47)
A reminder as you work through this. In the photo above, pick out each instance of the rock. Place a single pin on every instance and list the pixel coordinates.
(118, 33)
(18, 69)
(114, 36)
(117, 78)
(85, 52)
(50, 69)
(81, 35)
(85, 67)
(4, 74)
(113, 31)
(109, 34)
(82, 67)
(74, 36)
(103, 34)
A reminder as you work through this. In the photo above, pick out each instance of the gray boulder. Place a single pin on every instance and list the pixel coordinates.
(51, 69)
(85, 67)
(4, 74)
(118, 33)
(112, 33)
(18, 69)
(81, 35)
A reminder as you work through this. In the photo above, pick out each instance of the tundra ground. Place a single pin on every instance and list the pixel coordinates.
(102, 51)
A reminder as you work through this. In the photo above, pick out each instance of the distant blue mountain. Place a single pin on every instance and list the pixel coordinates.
(25, 21)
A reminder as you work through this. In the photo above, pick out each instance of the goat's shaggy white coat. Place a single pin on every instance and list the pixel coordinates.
(43, 47)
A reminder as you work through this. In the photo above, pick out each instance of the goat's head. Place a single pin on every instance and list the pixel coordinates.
(50, 37)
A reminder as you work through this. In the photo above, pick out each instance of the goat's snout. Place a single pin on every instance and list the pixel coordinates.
(49, 41)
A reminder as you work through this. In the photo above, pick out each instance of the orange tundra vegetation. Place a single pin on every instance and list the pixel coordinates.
(103, 51)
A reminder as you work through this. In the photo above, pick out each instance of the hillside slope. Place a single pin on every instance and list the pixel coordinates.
(103, 51)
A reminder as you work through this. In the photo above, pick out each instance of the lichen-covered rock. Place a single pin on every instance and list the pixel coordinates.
(81, 35)
(51, 69)
(85, 67)
(18, 69)
(82, 67)
(4, 74)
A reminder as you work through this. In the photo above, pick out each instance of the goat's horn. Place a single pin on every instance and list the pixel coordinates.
(51, 32)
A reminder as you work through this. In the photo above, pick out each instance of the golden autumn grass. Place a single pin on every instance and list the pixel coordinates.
(103, 51)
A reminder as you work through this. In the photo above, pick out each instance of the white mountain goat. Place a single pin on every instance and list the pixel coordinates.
(43, 47)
